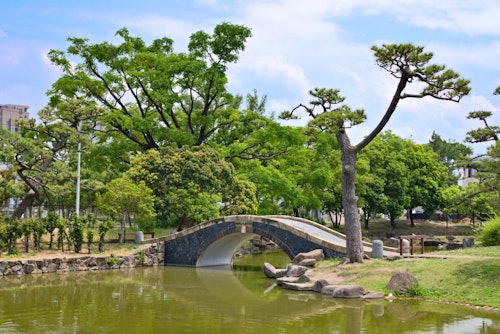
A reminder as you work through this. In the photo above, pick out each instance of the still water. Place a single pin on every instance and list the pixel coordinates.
(188, 300)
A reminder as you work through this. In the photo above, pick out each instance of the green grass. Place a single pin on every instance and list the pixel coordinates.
(469, 280)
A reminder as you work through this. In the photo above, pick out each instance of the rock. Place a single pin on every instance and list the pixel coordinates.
(298, 286)
(28, 268)
(285, 279)
(348, 291)
(311, 263)
(467, 242)
(401, 281)
(316, 254)
(377, 249)
(271, 272)
(373, 295)
(393, 242)
(328, 289)
(295, 271)
(406, 246)
(319, 284)
(303, 279)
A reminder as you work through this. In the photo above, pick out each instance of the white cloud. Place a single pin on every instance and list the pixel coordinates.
(2, 33)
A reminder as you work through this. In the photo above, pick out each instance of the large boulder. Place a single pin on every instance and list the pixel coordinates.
(401, 282)
(309, 258)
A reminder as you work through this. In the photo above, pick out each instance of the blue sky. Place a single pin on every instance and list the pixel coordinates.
(296, 45)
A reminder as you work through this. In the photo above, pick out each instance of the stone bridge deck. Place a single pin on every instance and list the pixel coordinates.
(215, 242)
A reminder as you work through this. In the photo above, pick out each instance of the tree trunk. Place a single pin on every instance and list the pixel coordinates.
(123, 225)
(366, 216)
(393, 220)
(21, 209)
(410, 213)
(354, 244)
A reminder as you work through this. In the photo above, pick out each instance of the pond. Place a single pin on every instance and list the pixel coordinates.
(211, 300)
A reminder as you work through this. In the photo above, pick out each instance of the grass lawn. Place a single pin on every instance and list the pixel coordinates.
(470, 276)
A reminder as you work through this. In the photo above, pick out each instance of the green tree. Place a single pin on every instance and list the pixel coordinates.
(153, 96)
(124, 197)
(451, 154)
(409, 64)
(34, 152)
(188, 184)
(487, 166)
(426, 178)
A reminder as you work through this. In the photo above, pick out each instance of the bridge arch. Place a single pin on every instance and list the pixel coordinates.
(215, 242)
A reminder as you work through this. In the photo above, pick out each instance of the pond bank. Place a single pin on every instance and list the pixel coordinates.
(147, 256)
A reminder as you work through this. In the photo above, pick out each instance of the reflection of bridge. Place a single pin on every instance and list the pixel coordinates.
(215, 242)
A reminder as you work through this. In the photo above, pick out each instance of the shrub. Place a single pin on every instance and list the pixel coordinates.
(146, 224)
(489, 235)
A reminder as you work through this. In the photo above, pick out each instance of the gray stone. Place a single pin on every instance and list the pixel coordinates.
(286, 279)
(468, 242)
(304, 279)
(348, 291)
(271, 272)
(311, 263)
(298, 286)
(328, 289)
(319, 284)
(393, 242)
(28, 268)
(406, 246)
(373, 295)
(401, 281)
(296, 271)
(316, 254)
(139, 237)
(377, 249)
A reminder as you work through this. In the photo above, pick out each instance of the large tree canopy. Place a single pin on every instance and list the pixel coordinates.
(190, 185)
(410, 65)
(153, 96)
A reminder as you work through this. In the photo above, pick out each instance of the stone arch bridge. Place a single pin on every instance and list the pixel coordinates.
(214, 243)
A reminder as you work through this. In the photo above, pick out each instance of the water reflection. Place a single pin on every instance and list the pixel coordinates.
(210, 300)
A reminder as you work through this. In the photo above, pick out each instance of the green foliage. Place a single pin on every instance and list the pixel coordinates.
(13, 231)
(451, 154)
(102, 228)
(123, 196)
(51, 223)
(489, 235)
(112, 260)
(90, 238)
(62, 224)
(76, 233)
(38, 229)
(178, 98)
(3, 235)
(188, 184)
(146, 224)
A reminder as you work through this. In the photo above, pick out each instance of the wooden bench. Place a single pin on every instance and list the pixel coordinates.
(411, 238)
(131, 235)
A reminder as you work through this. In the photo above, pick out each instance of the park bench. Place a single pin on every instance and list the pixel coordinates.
(411, 239)
(131, 235)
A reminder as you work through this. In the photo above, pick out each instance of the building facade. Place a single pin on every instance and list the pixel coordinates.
(10, 113)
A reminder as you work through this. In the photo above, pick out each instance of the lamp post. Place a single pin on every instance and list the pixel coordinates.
(79, 153)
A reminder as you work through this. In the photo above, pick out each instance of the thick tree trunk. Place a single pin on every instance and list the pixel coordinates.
(354, 244)
(26, 203)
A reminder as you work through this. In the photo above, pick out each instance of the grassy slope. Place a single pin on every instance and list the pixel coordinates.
(469, 276)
